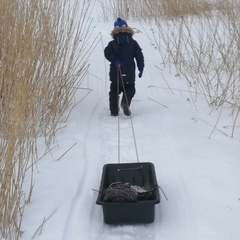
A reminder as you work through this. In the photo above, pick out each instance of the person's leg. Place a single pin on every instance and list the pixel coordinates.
(128, 94)
(113, 99)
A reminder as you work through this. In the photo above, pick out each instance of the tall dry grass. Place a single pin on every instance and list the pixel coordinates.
(142, 10)
(205, 51)
(201, 38)
(44, 48)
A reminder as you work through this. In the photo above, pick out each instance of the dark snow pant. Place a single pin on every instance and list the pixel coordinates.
(126, 97)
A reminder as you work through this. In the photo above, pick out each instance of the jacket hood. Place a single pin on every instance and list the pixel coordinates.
(118, 30)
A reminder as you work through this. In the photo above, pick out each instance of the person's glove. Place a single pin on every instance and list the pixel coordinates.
(117, 63)
(140, 73)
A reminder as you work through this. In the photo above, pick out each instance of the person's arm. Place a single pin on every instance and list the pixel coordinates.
(109, 54)
(139, 57)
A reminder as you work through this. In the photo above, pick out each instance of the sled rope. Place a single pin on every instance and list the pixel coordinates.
(118, 117)
(130, 117)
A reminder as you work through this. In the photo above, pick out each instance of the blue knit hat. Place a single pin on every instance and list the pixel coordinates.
(120, 23)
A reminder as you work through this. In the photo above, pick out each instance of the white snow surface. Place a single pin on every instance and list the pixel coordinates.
(197, 169)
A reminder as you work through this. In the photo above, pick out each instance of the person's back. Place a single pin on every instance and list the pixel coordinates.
(122, 52)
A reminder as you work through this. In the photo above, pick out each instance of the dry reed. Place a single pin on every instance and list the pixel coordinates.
(142, 10)
(43, 59)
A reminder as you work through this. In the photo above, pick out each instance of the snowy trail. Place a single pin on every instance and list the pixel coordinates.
(159, 141)
(109, 137)
(200, 176)
(103, 130)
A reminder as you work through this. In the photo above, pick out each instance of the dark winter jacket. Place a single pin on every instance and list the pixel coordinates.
(125, 49)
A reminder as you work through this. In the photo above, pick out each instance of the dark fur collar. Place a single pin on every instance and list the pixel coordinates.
(122, 30)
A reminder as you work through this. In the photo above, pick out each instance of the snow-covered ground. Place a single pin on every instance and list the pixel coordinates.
(198, 173)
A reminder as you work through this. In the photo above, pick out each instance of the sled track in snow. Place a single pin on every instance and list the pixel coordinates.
(74, 219)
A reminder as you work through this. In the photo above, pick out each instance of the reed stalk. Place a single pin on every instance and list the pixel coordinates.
(44, 48)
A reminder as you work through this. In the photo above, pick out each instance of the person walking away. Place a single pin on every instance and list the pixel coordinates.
(123, 53)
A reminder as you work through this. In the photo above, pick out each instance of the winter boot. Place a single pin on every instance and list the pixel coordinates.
(125, 109)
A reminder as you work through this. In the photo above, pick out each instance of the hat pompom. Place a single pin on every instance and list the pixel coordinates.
(120, 23)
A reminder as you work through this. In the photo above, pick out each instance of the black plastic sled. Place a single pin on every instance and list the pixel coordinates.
(128, 193)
